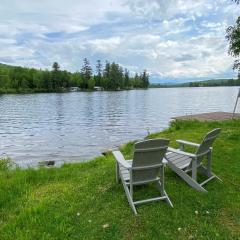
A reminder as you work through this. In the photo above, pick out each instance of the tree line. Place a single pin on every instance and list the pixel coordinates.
(206, 83)
(215, 83)
(108, 76)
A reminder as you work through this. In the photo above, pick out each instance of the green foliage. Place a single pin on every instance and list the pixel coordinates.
(206, 83)
(109, 77)
(56, 66)
(86, 73)
(83, 201)
(99, 71)
(6, 164)
(215, 83)
(233, 36)
(145, 79)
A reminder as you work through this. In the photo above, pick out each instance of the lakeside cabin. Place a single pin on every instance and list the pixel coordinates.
(98, 88)
(74, 89)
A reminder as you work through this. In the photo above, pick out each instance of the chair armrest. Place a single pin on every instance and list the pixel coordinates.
(188, 143)
(181, 152)
(121, 160)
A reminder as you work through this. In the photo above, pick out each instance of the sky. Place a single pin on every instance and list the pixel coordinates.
(175, 40)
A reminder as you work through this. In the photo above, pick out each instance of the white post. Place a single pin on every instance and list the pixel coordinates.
(238, 96)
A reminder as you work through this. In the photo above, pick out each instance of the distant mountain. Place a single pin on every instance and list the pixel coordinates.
(205, 83)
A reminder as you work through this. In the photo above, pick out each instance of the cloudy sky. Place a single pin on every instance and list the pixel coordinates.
(175, 40)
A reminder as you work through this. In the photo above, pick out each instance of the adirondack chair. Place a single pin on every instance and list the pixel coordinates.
(146, 167)
(184, 163)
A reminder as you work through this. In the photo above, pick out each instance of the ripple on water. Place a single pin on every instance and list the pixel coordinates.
(78, 126)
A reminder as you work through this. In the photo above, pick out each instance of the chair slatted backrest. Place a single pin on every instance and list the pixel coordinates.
(147, 159)
(208, 141)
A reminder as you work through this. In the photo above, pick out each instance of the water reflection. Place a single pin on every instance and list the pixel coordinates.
(76, 126)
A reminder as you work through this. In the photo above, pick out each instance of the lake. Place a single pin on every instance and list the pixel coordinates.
(80, 125)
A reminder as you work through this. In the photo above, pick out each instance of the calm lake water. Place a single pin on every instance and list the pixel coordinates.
(80, 125)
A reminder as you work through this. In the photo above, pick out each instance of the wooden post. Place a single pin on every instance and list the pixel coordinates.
(238, 96)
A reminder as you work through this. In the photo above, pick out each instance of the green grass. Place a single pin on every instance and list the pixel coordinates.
(82, 201)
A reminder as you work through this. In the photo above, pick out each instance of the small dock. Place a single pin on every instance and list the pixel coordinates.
(212, 116)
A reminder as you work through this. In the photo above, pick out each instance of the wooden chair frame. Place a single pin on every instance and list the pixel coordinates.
(184, 163)
(125, 171)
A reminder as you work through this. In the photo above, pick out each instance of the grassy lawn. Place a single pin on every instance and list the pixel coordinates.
(82, 201)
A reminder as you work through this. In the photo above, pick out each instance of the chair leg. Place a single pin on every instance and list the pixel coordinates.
(162, 186)
(162, 180)
(163, 193)
(168, 199)
(203, 170)
(217, 177)
(130, 200)
(187, 178)
(209, 167)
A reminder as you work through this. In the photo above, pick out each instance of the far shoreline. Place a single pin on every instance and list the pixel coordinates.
(36, 91)
(33, 91)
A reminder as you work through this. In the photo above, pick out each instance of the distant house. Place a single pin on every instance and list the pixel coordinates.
(74, 89)
(97, 88)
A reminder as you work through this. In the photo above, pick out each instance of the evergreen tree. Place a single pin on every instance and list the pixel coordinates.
(145, 79)
(47, 78)
(56, 82)
(111, 77)
(137, 81)
(106, 70)
(126, 79)
(55, 66)
(121, 77)
(99, 73)
(106, 74)
(86, 73)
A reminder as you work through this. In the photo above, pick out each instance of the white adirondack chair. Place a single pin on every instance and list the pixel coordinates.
(146, 167)
(184, 163)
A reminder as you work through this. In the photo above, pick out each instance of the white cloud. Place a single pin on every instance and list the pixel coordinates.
(172, 39)
(104, 45)
(162, 9)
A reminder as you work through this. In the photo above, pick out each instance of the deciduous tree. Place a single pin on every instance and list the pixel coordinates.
(233, 36)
